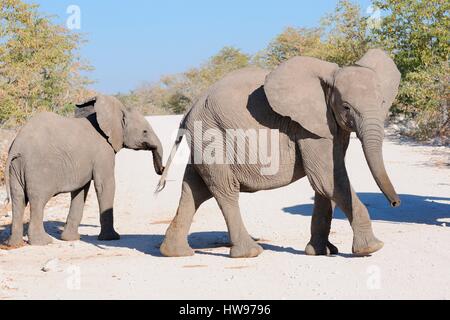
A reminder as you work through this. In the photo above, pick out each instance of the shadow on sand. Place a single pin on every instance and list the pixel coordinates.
(414, 209)
(201, 242)
(150, 243)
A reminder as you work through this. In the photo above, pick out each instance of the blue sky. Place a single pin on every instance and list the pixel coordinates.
(136, 41)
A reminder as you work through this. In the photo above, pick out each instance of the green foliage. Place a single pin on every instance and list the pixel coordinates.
(197, 80)
(148, 98)
(418, 34)
(178, 102)
(417, 31)
(343, 37)
(423, 98)
(338, 39)
(290, 43)
(66, 110)
(227, 60)
(347, 36)
(39, 66)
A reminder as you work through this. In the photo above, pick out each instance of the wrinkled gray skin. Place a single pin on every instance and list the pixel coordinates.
(315, 105)
(53, 155)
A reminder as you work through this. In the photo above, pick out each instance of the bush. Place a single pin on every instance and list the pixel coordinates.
(423, 97)
(417, 33)
(174, 94)
(39, 66)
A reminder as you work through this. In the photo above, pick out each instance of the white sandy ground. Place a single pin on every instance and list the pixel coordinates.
(415, 263)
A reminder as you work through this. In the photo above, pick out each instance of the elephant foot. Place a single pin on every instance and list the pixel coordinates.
(322, 248)
(39, 239)
(247, 249)
(365, 244)
(68, 235)
(110, 235)
(172, 248)
(15, 242)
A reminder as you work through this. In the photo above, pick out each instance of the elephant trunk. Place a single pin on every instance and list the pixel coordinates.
(155, 146)
(157, 161)
(371, 134)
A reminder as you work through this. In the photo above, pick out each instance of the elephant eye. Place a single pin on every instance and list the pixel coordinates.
(145, 132)
(347, 107)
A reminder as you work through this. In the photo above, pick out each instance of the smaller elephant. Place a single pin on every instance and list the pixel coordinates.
(53, 155)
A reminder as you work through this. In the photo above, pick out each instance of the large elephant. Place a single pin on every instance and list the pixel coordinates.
(53, 155)
(315, 105)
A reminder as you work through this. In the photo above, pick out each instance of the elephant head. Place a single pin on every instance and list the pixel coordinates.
(320, 95)
(123, 127)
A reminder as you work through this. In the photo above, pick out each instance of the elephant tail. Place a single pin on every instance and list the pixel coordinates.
(12, 155)
(163, 180)
(6, 177)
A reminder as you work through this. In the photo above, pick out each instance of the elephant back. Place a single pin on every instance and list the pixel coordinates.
(228, 98)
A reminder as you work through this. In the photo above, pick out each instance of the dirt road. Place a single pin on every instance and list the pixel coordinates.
(415, 262)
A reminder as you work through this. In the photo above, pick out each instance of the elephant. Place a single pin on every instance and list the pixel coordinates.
(52, 155)
(315, 106)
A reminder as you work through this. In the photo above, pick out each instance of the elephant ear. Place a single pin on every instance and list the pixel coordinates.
(387, 72)
(295, 90)
(85, 109)
(110, 117)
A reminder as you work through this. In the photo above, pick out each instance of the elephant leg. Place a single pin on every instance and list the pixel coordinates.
(70, 232)
(18, 202)
(242, 244)
(364, 240)
(325, 167)
(320, 228)
(194, 193)
(36, 232)
(225, 190)
(105, 188)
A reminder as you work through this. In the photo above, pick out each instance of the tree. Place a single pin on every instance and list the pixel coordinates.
(343, 37)
(290, 43)
(347, 34)
(190, 85)
(225, 61)
(176, 93)
(418, 35)
(414, 32)
(39, 65)
(417, 31)
(423, 97)
(148, 98)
